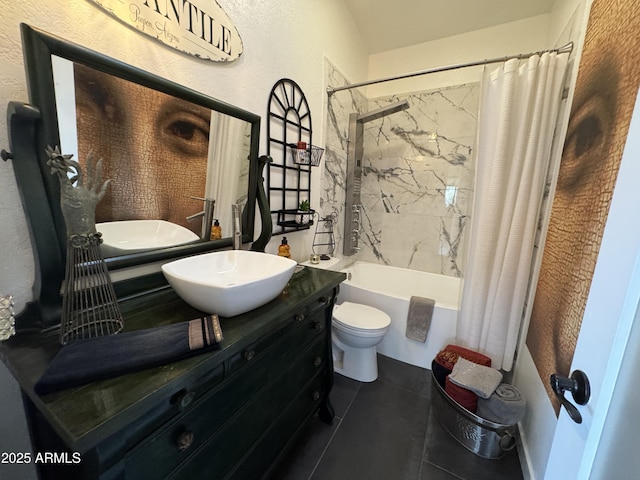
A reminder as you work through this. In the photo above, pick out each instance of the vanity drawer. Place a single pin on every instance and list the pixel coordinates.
(158, 455)
(251, 353)
(302, 382)
(320, 303)
(303, 329)
(307, 330)
(179, 402)
(282, 433)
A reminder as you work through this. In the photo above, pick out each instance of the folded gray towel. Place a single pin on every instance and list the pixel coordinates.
(419, 318)
(481, 380)
(506, 405)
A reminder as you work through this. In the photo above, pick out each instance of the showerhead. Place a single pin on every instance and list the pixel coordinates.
(383, 112)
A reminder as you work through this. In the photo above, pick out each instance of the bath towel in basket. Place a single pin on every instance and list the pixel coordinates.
(481, 380)
(462, 396)
(444, 361)
(506, 405)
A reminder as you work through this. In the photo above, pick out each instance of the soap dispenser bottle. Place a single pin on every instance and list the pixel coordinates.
(216, 230)
(284, 249)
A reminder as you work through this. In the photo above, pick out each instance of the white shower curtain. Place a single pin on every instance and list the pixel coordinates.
(518, 111)
(228, 166)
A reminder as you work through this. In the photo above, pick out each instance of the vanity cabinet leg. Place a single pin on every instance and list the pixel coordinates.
(326, 412)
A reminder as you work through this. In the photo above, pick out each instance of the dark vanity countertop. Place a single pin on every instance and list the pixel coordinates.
(83, 416)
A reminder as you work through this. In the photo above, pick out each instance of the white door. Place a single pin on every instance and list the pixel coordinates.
(611, 309)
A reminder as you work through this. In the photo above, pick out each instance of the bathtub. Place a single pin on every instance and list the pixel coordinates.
(389, 289)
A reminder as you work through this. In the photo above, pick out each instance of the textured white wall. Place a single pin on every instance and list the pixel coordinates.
(281, 39)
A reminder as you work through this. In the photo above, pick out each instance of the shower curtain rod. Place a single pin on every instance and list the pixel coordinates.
(564, 49)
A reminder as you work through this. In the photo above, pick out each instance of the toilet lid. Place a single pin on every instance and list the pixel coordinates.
(356, 315)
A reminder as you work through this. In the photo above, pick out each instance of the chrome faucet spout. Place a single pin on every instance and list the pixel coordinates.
(207, 217)
(236, 210)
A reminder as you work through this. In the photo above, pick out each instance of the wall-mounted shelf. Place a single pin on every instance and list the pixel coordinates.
(301, 154)
(324, 241)
(292, 155)
(295, 219)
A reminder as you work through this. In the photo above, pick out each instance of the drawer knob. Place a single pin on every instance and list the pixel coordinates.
(323, 300)
(249, 354)
(184, 440)
(315, 395)
(300, 317)
(185, 399)
(317, 361)
(317, 326)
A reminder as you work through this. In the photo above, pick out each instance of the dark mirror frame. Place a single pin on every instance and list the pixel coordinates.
(34, 126)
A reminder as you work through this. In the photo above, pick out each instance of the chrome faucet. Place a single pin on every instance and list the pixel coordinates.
(207, 217)
(236, 210)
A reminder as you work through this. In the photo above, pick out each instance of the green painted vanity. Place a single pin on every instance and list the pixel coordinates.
(227, 413)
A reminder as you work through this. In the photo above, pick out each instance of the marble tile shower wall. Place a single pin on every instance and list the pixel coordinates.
(418, 172)
(340, 106)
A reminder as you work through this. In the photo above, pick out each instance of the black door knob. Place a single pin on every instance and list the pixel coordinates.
(578, 385)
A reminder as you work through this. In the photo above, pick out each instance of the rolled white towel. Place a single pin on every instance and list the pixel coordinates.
(479, 379)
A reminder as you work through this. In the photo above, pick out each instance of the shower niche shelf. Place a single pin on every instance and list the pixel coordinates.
(292, 154)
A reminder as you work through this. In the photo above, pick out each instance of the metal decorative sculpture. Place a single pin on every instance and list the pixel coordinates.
(89, 305)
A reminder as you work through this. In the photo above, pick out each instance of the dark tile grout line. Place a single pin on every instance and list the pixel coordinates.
(315, 467)
(393, 385)
(399, 387)
(424, 444)
(451, 474)
(424, 452)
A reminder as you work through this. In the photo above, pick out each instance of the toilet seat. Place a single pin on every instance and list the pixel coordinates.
(358, 317)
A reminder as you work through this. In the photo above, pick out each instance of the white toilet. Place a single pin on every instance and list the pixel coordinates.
(356, 330)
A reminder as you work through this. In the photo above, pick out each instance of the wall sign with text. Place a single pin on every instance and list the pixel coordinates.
(197, 27)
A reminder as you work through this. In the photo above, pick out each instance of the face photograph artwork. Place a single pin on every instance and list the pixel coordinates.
(604, 98)
(154, 147)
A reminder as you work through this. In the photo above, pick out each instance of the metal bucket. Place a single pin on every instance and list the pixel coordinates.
(484, 438)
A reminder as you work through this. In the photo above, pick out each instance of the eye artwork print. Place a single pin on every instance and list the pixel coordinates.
(155, 147)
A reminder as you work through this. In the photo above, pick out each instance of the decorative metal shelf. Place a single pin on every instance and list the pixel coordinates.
(285, 219)
(289, 173)
(303, 155)
(323, 236)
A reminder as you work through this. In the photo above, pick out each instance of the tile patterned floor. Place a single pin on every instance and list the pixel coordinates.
(385, 430)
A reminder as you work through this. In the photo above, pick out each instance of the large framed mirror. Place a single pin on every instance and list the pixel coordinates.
(165, 147)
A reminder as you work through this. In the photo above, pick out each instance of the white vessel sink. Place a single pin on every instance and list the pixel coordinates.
(230, 282)
(130, 236)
